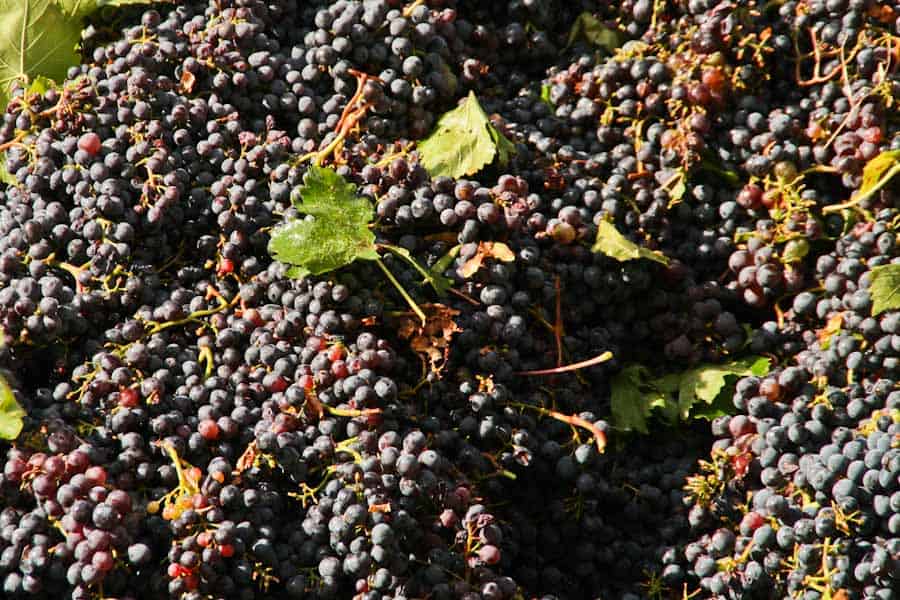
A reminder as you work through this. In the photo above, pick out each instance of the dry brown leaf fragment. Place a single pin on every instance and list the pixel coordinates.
(313, 404)
(408, 327)
(485, 383)
(833, 326)
(431, 340)
(248, 458)
(187, 81)
(497, 250)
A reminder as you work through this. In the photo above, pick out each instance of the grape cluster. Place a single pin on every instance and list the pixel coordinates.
(203, 424)
(813, 449)
(94, 519)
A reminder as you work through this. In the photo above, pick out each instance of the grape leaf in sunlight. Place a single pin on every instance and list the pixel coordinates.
(335, 231)
(463, 142)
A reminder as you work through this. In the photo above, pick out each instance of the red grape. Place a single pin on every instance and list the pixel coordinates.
(90, 143)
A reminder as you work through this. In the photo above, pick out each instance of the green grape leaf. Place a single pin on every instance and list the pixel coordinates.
(721, 406)
(885, 288)
(335, 231)
(437, 281)
(877, 173)
(505, 148)
(633, 399)
(667, 385)
(463, 142)
(795, 250)
(295, 272)
(675, 182)
(704, 383)
(593, 30)
(441, 283)
(82, 8)
(712, 164)
(37, 39)
(676, 194)
(11, 414)
(699, 393)
(77, 8)
(5, 175)
(615, 245)
(545, 95)
(40, 85)
(102, 3)
(452, 83)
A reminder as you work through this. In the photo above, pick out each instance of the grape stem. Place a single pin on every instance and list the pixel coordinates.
(349, 119)
(853, 202)
(408, 11)
(412, 303)
(405, 255)
(573, 367)
(351, 412)
(206, 356)
(574, 421)
(13, 142)
(71, 269)
(558, 330)
(818, 55)
(156, 327)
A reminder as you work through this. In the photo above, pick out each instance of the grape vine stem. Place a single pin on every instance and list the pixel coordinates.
(575, 421)
(412, 303)
(602, 358)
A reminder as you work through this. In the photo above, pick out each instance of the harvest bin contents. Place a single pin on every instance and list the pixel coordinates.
(450, 300)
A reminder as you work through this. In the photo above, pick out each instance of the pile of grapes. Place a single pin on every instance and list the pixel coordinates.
(452, 300)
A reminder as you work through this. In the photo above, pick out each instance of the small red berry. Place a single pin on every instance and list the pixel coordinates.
(191, 581)
(339, 369)
(252, 315)
(226, 266)
(307, 382)
(96, 475)
(209, 429)
(90, 143)
(277, 384)
(752, 521)
(129, 398)
(741, 463)
(102, 561)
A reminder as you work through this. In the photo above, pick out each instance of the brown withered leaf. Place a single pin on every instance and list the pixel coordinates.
(431, 340)
(187, 81)
(313, 405)
(833, 326)
(497, 250)
(485, 384)
(247, 459)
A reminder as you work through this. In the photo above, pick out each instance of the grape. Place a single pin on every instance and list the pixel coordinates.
(201, 422)
(90, 143)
